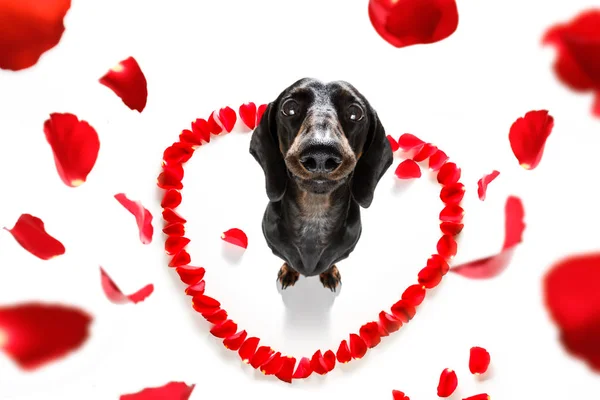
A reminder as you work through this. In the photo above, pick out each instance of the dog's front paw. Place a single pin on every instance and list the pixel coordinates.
(287, 276)
(331, 278)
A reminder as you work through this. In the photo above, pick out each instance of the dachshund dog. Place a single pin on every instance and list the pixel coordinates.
(323, 150)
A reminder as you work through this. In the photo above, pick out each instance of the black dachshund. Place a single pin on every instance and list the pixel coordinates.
(323, 150)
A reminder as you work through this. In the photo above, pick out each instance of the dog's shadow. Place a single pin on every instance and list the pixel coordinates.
(308, 305)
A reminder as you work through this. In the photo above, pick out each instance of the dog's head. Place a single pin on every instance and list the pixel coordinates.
(322, 136)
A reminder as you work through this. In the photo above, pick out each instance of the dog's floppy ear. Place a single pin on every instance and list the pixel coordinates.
(264, 147)
(375, 160)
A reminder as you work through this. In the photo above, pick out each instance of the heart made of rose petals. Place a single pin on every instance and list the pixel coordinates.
(250, 349)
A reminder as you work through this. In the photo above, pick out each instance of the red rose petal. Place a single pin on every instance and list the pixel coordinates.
(214, 127)
(426, 151)
(259, 112)
(528, 137)
(115, 295)
(448, 383)
(411, 22)
(247, 113)
(272, 366)
(382, 331)
(447, 247)
(437, 261)
(437, 160)
(196, 289)
(452, 194)
(409, 141)
(358, 347)
(343, 353)
(430, 277)
(248, 349)
(482, 396)
(28, 30)
(451, 228)
(408, 169)
(287, 369)
(30, 233)
(448, 174)
(180, 259)
(171, 199)
(217, 317)
(452, 213)
(128, 82)
(190, 138)
(200, 127)
(170, 177)
(261, 356)
(398, 395)
(479, 360)
(35, 334)
(389, 322)
(224, 329)
(572, 298)
(483, 183)
(490, 267)
(177, 154)
(403, 311)
(234, 342)
(190, 275)
(329, 359)
(204, 304)
(172, 217)
(236, 236)
(174, 244)
(174, 229)
(369, 332)
(303, 369)
(317, 363)
(170, 391)
(75, 146)
(143, 218)
(393, 143)
(414, 295)
(228, 117)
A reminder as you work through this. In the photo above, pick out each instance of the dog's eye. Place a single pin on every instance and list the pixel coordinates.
(290, 108)
(355, 113)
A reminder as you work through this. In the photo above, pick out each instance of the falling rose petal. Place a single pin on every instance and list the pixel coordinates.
(570, 290)
(317, 363)
(452, 194)
(174, 244)
(389, 322)
(247, 113)
(452, 213)
(483, 396)
(128, 82)
(190, 275)
(170, 177)
(236, 236)
(272, 366)
(343, 353)
(303, 369)
(430, 277)
(201, 128)
(451, 228)
(483, 183)
(411, 22)
(228, 117)
(403, 311)
(171, 199)
(447, 247)
(196, 289)
(180, 259)
(490, 267)
(174, 229)
(259, 112)
(27, 31)
(35, 334)
(393, 143)
(448, 174)
(358, 347)
(170, 391)
(438, 262)
(190, 138)
(248, 349)
(30, 233)
(178, 153)
(75, 146)
(578, 44)
(408, 169)
(414, 295)
(214, 127)
(143, 218)
(261, 356)
(172, 217)
(224, 329)
(437, 160)
(409, 141)
(115, 295)
(205, 304)
(447, 384)
(479, 360)
(217, 317)
(287, 369)
(398, 395)
(235, 341)
(528, 137)
(369, 332)
(426, 151)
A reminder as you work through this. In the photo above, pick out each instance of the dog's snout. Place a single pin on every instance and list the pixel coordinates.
(322, 159)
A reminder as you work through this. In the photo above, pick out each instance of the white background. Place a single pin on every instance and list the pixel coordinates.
(462, 94)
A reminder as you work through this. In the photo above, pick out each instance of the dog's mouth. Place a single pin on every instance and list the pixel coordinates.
(319, 185)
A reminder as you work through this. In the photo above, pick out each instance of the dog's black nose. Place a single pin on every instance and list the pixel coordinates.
(320, 159)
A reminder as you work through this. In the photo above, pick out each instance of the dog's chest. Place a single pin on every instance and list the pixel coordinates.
(315, 220)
